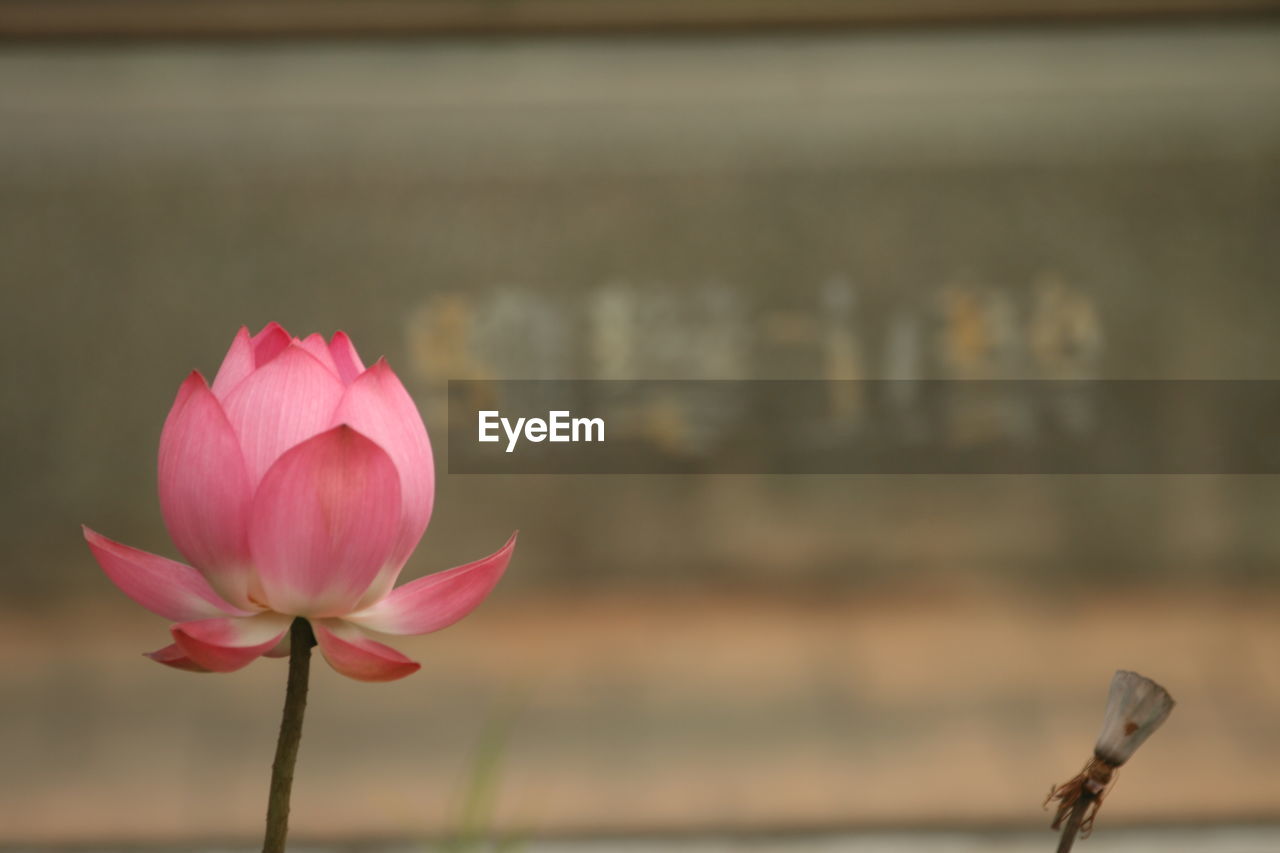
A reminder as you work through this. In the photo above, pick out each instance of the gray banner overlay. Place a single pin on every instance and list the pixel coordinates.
(864, 427)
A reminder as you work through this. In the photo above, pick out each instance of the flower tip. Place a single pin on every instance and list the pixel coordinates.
(345, 357)
(94, 538)
(193, 384)
(269, 343)
(382, 372)
(243, 337)
(273, 327)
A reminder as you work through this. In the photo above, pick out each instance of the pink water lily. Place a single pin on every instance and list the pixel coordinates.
(297, 485)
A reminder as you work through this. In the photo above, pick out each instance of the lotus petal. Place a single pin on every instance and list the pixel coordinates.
(324, 523)
(346, 358)
(356, 656)
(438, 600)
(172, 655)
(236, 365)
(317, 346)
(269, 343)
(225, 645)
(204, 489)
(280, 405)
(163, 586)
(378, 406)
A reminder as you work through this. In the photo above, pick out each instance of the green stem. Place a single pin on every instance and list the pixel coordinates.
(301, 639)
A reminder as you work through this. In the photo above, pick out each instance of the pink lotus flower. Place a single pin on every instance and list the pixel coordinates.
(297, 485)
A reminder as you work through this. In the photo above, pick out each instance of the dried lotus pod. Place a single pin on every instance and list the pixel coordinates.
(1136, 707)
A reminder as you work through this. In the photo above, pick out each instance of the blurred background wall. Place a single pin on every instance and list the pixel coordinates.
(682, 652)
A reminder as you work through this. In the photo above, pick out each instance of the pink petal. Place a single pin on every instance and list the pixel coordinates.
(280, 649)
(316, 345)
(436, 601)
(269, 343)
(356, 656)
(280, 405)
(204, 489)
(175, 657)
(346, 358)
(161, 585)
(324, 522)
(236, 365)
(225, 645)
(378, 406)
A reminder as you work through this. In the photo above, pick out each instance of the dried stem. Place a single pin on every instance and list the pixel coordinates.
(301, 639)
(1072, 827)
(1079, 800)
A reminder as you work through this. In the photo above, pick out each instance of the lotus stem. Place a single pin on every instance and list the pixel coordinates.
(301, 639)
(1072, 827)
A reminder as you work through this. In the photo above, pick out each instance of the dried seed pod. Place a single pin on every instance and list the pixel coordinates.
(1136, 706)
